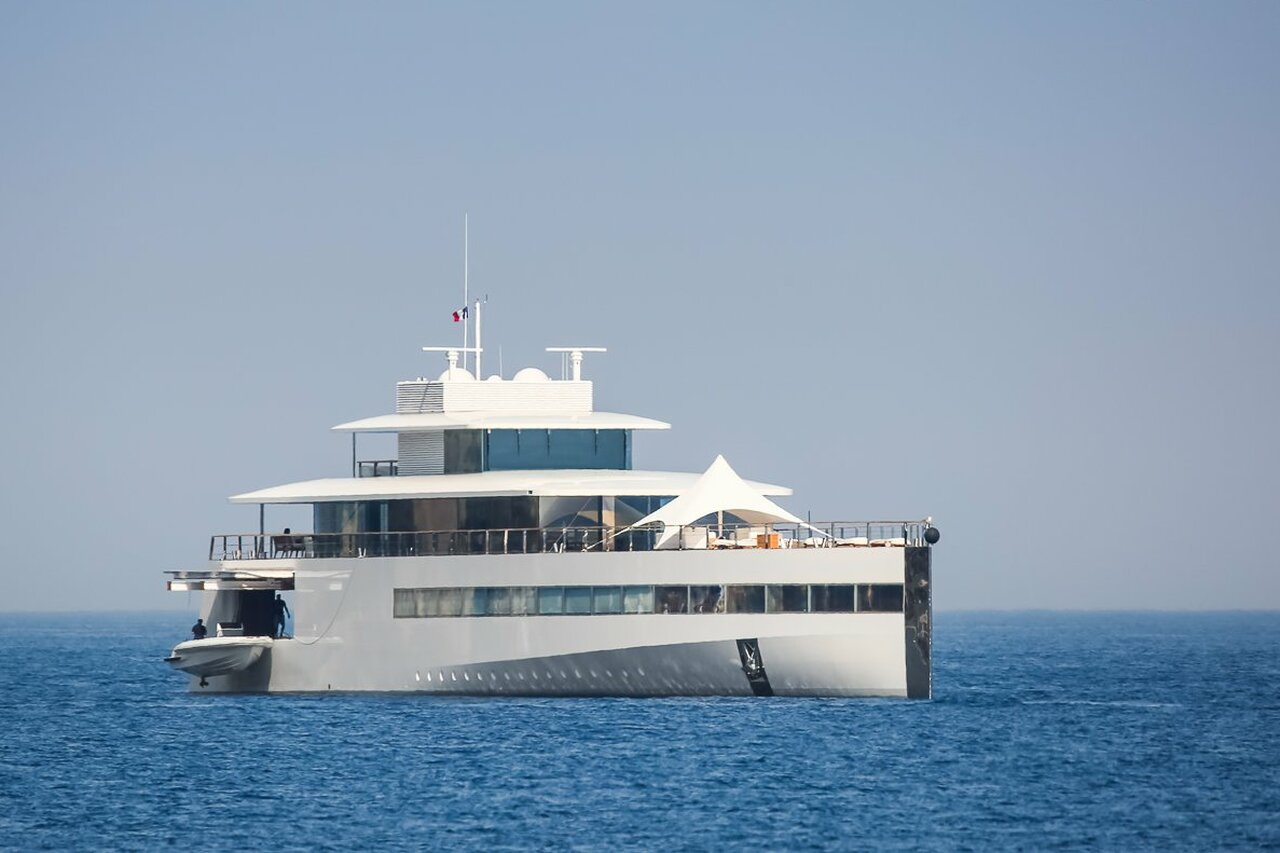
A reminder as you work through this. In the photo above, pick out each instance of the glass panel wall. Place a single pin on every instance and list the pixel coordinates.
(588, 600)
(462, 451)
(542, 449)
(555, 513)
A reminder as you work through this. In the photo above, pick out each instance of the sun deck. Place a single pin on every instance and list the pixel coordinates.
(534, 540)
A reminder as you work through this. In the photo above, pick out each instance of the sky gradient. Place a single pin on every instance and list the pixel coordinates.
(1012, 265)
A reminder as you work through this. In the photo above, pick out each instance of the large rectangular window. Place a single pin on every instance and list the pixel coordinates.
(542, 449)
(706, 599)
(745, 599)
(671, 599)
(607, 599)
(577, 599)
(551, 600)
(787, 598)
(832, 598)
(637, 599)
(462, 451)
(880, 598)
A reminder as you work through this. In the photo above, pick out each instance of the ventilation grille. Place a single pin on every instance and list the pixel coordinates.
(420, 453)
(412, 397)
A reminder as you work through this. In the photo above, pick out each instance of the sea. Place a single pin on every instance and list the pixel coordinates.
(1048, 731)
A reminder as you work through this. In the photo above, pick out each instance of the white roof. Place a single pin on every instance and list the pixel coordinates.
(487, 483)
(421, 421)
(719, 489)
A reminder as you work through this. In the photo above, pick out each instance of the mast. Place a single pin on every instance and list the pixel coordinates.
(466, 282)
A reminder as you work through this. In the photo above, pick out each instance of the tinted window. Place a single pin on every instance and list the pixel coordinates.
(788, 598)
(833, 598)
(607, 599)
(706, 599)
(745, 599)
(880, 598)
(551, 599)
(577, 599)
(671, 599)
(461, 451)
(540, 449)
(637, 599)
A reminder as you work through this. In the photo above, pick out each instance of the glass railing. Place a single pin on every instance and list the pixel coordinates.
(534, 540)
(377, 468)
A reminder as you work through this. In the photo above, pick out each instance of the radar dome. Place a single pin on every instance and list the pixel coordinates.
(529, 374)
(456, 374)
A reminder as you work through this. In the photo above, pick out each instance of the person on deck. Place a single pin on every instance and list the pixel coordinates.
(282, 611)
(198, 630)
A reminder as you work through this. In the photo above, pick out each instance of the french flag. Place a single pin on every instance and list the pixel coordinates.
(460, 314)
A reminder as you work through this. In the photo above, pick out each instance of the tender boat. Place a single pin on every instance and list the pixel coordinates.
(214, 656)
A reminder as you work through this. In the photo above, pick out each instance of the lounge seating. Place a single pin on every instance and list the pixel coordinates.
(288, 546)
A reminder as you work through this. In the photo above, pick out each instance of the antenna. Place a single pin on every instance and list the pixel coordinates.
(575, 358)
(466, 281)
(479, 349)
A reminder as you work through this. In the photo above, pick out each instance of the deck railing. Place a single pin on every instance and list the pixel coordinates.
(538, 540)
(378, 468)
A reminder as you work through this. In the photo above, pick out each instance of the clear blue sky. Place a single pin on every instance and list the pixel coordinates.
(1011, 265)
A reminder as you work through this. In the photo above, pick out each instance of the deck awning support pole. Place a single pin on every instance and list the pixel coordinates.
(353, 455)
(262, 519)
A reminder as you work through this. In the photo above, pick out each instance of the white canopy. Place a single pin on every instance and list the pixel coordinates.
(719, 489)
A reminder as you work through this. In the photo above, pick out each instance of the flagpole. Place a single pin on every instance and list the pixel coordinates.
(466, 283)
(478, 349)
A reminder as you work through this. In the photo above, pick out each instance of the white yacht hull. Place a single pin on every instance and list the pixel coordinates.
(346, 637)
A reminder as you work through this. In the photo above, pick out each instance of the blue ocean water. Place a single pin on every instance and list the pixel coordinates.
(1107, 731)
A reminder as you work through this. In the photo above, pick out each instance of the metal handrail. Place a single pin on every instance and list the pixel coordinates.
(541, 540)
(377, 468)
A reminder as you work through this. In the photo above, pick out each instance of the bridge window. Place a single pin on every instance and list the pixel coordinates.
(542, 449)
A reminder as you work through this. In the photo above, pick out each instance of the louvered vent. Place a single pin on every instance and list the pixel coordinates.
(421, 453)
(419, 396)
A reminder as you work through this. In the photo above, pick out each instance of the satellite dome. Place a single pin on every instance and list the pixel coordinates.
(456, 374)
(529, 374)
(494, 378)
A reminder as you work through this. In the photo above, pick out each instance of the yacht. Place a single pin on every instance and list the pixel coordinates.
(512, 548)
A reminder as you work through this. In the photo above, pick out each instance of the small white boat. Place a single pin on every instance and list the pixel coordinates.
(217, 655)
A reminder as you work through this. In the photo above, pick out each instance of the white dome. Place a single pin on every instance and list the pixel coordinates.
(494, 378)
(530, 374)
(456, 374)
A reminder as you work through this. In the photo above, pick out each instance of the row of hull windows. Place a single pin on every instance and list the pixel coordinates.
(601, 600)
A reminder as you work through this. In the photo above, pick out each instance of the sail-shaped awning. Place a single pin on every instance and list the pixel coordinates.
(719, 489)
